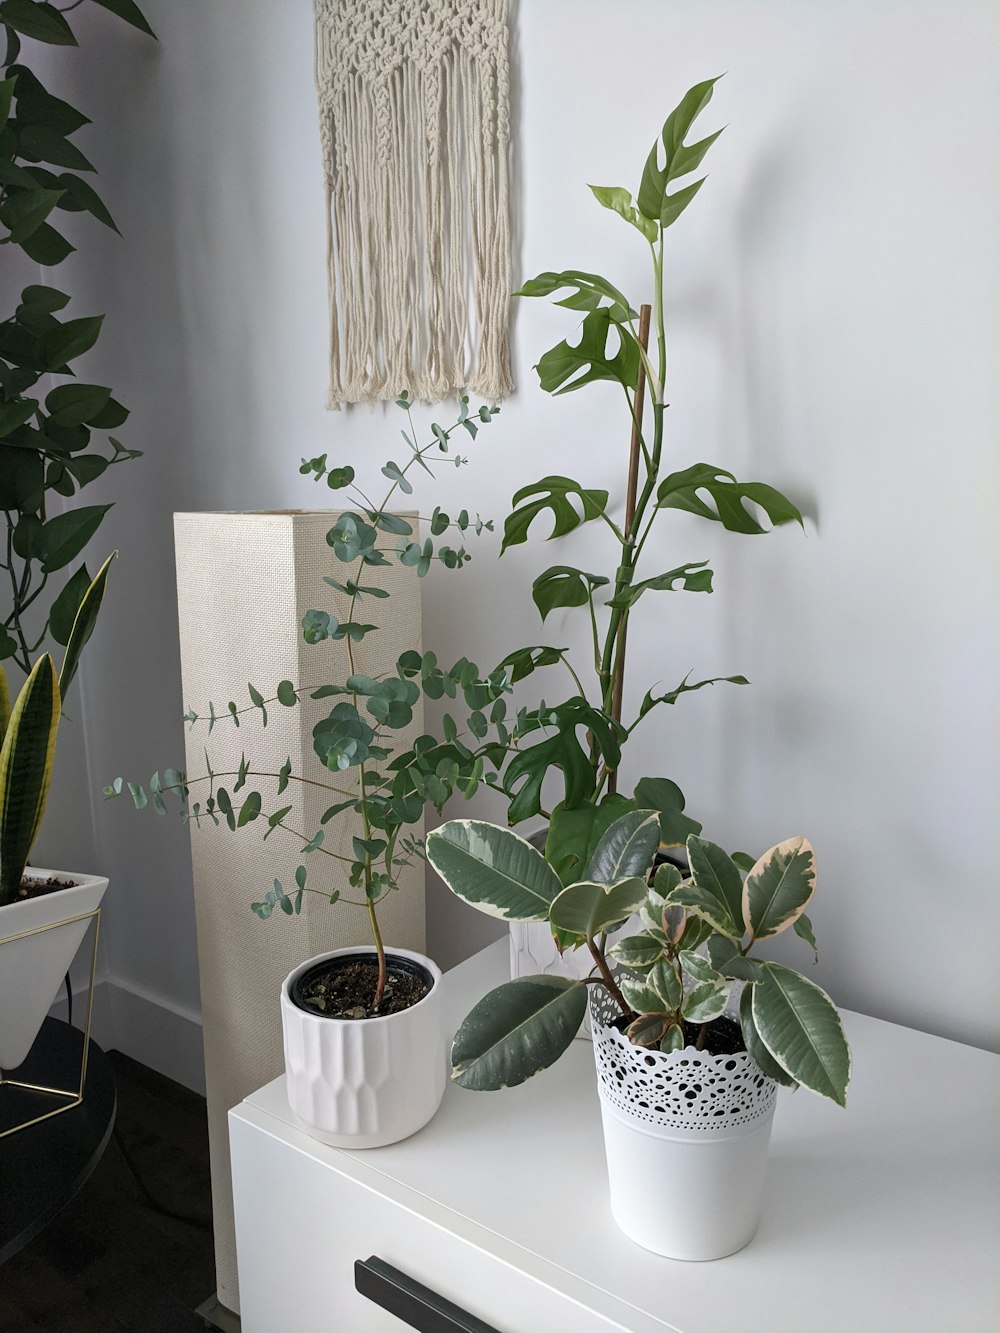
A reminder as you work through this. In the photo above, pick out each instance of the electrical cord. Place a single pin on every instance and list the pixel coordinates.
(205, 1223)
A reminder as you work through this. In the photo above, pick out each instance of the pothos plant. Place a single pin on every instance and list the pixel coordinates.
(381, 784)
(583, 736)
(53, 440)
(672, 979)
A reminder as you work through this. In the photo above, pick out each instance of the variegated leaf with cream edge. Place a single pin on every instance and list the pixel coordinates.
(663, 979)
(705, 1001)
(587, 908)
(626, 848)
(801, 1028)
(493, 869)
(638, 952)
(778, 888)
(715, 889)
(756, 1049)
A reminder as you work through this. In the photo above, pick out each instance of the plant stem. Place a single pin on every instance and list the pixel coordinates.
(607, 978)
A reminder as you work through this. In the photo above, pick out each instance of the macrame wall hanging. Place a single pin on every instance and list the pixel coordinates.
(414, 122)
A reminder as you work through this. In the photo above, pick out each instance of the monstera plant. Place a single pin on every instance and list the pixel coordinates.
(580, 739)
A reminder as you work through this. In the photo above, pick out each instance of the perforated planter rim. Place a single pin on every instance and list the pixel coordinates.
(686, 1135)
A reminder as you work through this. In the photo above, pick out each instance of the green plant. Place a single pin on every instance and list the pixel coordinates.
(672, 979)
(47, 442)
(382, 785)
(583, 736)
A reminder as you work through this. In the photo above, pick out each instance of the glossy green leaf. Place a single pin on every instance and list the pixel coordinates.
(47, 247)
(573, 834)
(756, 1049)
(587, 292)
(76, 404)
(778, 888)
(562, 585)
(619, 201)
(67, 534)
(129, 11)
(49, 145)
(24, 213)
(604, 350)
(493, 869)
(803, 928)
(66, 605)
(678, 159)
(667, 799)
(687, 578)
(626, 849)
(569, 503)
(517, 1030)
(70, 340)
(562, 749)
(80, 196)
(726, 498)
(587, 908)
(800, 1026)
(43, 22)
(83, 624)
(651, 701)
(713, 893)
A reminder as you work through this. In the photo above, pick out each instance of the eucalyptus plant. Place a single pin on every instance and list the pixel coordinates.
(52, 439)
(583, 736)
(377, 781)
(672, 979)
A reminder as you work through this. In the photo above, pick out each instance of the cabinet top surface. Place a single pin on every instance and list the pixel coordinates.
(884, 1215)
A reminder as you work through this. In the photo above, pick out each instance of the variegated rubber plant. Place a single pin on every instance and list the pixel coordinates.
(671, 980)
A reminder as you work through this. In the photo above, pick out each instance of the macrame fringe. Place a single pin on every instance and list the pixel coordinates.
(415, 127)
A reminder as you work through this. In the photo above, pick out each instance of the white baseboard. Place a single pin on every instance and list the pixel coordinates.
(146, 1027)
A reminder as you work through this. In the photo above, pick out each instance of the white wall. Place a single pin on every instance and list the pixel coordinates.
(830, 299)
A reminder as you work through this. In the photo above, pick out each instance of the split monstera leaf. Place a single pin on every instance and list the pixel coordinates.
(682, 968)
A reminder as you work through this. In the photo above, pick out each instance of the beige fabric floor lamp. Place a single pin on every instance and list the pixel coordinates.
(244, 582)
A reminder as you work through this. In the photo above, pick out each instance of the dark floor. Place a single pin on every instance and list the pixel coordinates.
(110, 1263)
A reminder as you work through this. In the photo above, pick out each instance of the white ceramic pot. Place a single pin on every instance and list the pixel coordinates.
(32, 967)
(365, 1082)
(686, 1136)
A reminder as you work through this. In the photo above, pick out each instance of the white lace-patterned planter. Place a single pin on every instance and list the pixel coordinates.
(686, 1136)
(365, 1082)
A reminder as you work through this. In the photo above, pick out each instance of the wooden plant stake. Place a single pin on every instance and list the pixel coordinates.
(633, 483)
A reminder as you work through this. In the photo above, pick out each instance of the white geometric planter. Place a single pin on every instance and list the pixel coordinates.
(686, 1136)
(51, 929)
(365, 1082)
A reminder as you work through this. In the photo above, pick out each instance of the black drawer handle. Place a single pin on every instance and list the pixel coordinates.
(411, 1302)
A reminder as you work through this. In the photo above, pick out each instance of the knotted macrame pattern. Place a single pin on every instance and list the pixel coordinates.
(415, 128)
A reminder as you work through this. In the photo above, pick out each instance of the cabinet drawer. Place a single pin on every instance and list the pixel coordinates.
(303, 1222)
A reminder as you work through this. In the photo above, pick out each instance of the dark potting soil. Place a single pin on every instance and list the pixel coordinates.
(346, 989)
(722, 1038)
(38, 888)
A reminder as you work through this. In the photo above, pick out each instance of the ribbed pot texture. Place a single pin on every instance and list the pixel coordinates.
(366, 1082)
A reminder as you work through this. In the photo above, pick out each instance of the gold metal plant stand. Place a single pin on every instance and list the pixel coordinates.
(74, 1095)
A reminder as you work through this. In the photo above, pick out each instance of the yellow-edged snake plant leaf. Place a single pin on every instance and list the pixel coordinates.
(26, 760)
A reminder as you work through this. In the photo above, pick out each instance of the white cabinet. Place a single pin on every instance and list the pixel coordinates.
(879, 1218)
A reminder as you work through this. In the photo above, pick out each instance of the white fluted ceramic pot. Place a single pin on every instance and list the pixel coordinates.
(46, 931)
(686, 1136)
(365, 1082)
